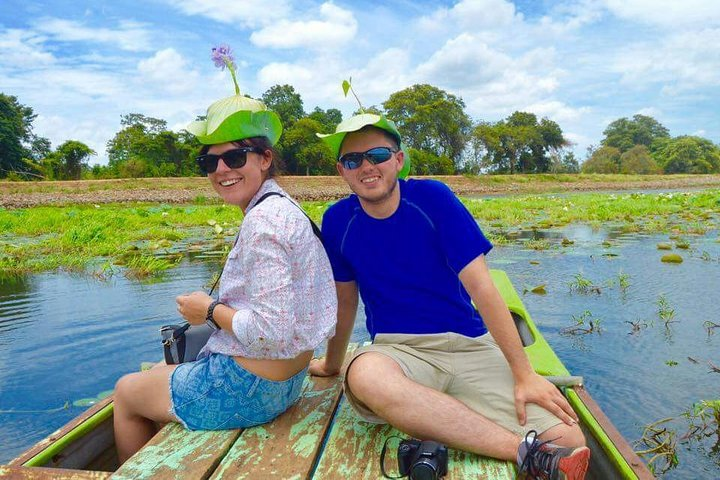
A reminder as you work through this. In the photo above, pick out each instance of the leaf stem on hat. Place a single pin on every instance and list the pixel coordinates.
(347, 85)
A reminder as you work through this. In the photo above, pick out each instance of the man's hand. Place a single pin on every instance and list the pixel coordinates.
(536, 389)
(193, 307)
(319, 368)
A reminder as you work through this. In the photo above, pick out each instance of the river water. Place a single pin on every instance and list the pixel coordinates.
(64, 338)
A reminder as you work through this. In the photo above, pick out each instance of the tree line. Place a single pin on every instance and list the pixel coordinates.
(440, 136)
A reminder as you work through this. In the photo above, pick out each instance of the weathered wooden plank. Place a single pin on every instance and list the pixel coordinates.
(287, 447)
(179, 453)
(10, 472)
(353, 451)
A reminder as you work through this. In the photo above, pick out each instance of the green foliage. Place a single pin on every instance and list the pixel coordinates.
(304, 152)
(638, 161)
(145, 148)
(15, 130)
(425, 163)
(286, 102)
(624, 134)
(72, 158)
(431, 120)
(329, 119)
(603, 160)
(520, 144)
(688, 154)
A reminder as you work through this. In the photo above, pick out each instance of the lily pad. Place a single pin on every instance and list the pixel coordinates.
(105, 394)
(85, 402)
(534, 262)
(538, 290)
(566, 242)
(664, 246)
(672, 258)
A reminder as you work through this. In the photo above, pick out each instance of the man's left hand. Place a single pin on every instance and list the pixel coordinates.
(536, 389)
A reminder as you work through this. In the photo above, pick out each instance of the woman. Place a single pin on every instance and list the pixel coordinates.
(277, 299)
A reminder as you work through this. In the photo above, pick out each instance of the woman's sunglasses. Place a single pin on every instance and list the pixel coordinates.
(353, 160)
(234, 158)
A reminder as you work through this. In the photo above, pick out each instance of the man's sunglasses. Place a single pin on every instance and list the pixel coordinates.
(234, 158)
(353, 160)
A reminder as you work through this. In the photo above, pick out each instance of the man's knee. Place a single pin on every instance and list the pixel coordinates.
(369, 375)
(565, 435)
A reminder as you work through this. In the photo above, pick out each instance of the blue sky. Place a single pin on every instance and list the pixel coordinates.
(81, 64)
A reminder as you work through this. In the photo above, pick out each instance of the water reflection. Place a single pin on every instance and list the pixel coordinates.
(16, 295)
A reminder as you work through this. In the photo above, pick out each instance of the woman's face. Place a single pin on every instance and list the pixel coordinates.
(237, 186)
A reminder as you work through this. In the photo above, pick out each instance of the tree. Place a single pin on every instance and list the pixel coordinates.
(624, 134)
(431, 120)
(73, 159)
(637, 160)
(517, 144)
(304, 153)
(329, 119)
(562, 161)
(425, 163)
(149, 124)
(286, 102)
(15, 130)
(603, 160)
(689, 154)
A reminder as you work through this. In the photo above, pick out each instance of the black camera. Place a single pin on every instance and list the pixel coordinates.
(422, 460)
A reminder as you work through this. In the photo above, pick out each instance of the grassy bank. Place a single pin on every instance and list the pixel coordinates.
(141, 240)
(197, 190)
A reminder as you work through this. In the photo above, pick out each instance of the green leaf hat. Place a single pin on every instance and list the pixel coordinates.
(353, 124)
(236, 118)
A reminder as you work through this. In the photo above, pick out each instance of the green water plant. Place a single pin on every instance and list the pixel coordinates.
(583, 285)
(710, 327)
(671, 258)
(658, 446)
(666, 313)
(703, 422)
(584, 324)
(636, 326)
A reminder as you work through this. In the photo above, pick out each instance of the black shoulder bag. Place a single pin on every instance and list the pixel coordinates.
(182, 343)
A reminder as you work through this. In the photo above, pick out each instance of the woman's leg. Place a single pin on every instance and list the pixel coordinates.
(141, 399)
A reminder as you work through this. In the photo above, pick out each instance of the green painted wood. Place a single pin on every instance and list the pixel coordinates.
(177, 453)
(287, 447)
(354, 446)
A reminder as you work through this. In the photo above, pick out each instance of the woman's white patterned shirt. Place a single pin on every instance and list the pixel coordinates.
(278, 278)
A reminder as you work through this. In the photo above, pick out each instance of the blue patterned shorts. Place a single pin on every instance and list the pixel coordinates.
(215, 393)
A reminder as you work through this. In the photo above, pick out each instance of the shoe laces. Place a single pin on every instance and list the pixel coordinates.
(538, 462)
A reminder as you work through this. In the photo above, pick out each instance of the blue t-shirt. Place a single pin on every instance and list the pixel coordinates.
(407, 265)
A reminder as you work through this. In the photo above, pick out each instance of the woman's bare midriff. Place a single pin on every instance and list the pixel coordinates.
(276, 370)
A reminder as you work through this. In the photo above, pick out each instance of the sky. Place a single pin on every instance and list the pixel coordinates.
(582, 63)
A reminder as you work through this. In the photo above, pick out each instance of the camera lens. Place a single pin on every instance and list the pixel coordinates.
(423, 471)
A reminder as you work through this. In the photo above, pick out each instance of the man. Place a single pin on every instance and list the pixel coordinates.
(417, 257)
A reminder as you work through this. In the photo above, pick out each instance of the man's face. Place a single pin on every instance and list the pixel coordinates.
(374, 184)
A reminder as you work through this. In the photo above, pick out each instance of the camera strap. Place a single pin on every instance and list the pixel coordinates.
(382, 458)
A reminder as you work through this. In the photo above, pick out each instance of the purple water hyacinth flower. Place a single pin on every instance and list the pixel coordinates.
(222, 57)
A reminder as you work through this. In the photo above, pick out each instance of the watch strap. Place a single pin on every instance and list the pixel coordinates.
(209, 318)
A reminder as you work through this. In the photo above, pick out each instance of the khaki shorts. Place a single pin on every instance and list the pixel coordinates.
(472, 370)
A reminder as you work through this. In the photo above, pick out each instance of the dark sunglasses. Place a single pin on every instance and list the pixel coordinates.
(376, 155)
(234, 158)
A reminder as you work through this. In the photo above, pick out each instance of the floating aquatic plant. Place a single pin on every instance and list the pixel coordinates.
(585, 323)
(710, 327)
(666, 313)
(658, 443)
(636, 325)
(583, 285)
(671, 258)
(539, 290)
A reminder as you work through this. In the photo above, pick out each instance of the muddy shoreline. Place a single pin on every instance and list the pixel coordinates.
(196, 189)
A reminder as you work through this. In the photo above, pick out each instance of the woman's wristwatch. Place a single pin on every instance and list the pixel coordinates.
(209, 318)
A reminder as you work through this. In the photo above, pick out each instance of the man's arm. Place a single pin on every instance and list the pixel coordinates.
(347, 293)
(529, 386)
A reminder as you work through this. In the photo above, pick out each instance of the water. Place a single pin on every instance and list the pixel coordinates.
(65, 337)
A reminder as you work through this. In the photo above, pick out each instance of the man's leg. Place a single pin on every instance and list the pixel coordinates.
(141, 399)
(424, 412)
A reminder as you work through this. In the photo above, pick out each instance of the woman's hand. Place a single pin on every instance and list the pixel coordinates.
(193, 307)
(320, 368)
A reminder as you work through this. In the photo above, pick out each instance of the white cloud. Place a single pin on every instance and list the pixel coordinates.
(681, 61)
(130, 36)
(22, 48)
(247, 13)
(649, 111)
(667, 13)
(557, 111)
(169, 71)
(474, 15)
(337, 27)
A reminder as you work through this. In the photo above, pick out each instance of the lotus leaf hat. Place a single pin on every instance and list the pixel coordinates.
(357, 122)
